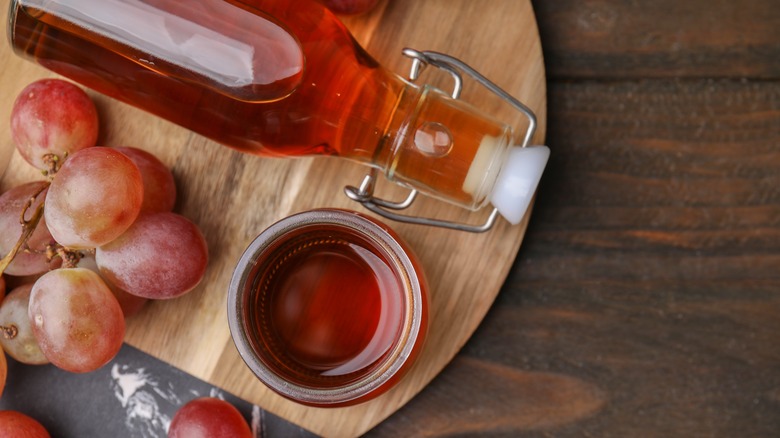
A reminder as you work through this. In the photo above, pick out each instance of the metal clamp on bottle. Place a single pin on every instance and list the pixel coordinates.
(516, 182)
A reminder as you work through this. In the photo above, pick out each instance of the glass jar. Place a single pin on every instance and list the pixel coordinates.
(328, 307)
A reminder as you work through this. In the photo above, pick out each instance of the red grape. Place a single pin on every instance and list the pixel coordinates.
(350, 7)
(130, 304)
(14, 424)
(52, 116)
(162, 255)
(2, 287)
(159, 186)
(32, 261)
(208, 417)
(95, 197)
(17, 337)
(76, 319)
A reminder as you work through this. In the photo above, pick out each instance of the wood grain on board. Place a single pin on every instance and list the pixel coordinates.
(233, 196)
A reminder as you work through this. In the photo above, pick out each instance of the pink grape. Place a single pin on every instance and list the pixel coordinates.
(76, 319)
(94, 198)
(22, 345)
(12, 202)
(162, 255)
(130, 304)
(18, 425)
(159, 185)
(208, 417)
(52, 116)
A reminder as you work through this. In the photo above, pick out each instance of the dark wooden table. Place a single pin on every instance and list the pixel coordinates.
(645, 300)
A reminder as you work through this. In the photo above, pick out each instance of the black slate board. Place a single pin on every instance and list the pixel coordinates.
(133, 396)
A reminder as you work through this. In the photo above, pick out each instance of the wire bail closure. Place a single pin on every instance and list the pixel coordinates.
(456, 68)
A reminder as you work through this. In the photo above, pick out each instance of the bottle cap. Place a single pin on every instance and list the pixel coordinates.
(517, 181)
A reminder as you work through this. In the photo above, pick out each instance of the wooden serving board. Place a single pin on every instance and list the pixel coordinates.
(234, 196)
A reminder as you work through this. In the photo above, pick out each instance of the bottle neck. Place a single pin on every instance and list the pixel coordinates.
(441, 146)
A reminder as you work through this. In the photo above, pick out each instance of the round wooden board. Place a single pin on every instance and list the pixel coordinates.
(234, 196)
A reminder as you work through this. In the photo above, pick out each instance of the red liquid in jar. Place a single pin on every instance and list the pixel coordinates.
(327, 308)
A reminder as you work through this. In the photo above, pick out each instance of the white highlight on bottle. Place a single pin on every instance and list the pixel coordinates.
(433, 139)
(156, 34)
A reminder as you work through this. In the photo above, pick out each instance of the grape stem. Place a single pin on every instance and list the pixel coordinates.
(9, 332)
(28, 227)
(70, 258)
(52, 162)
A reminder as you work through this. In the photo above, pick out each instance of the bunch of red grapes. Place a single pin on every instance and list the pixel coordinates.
(88, 246)
(92, 242)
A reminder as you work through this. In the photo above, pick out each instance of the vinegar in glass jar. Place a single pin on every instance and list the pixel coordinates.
(328, 308)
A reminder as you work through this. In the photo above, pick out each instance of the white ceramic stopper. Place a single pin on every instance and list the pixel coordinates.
(517, 181)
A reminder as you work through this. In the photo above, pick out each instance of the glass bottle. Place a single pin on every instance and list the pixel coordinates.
(281, 79)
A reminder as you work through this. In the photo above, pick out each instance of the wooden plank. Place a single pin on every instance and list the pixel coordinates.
(665, 38)
(233, 196)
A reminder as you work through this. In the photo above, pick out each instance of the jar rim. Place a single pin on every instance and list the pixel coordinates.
(371, 231)
(13, 9)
